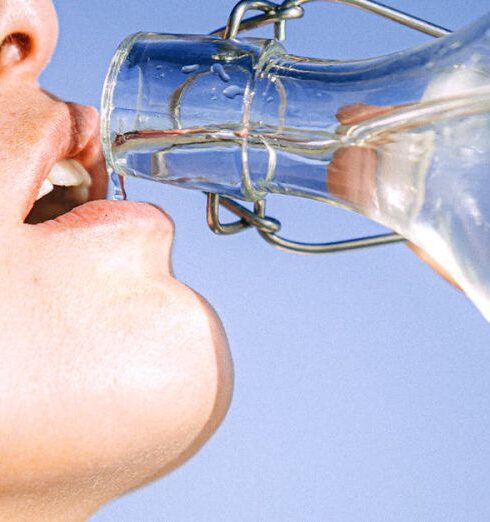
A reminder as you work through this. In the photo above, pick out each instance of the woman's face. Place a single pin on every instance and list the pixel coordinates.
(112, 372)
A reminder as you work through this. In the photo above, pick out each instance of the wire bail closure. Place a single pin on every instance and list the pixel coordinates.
(266, 226)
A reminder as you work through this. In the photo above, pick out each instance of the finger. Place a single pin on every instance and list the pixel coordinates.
(351, 176)
(426, 258)
(358, 112)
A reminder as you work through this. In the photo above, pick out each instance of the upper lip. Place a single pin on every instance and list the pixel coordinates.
(76, 137)
(90, 154)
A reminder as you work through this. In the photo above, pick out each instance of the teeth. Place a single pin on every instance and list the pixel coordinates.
(67, 173)
(46, 188)
(79, 194)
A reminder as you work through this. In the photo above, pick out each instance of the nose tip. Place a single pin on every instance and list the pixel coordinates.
(28, 34)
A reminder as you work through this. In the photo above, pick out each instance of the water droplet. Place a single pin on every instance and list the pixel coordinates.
(159, 66)
(218, 69)
(187, 69)
(270, 99)
(233, 91)
(118, 194)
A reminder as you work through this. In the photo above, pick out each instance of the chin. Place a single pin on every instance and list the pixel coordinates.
(124, 410)
(187, 394)
(177, 400)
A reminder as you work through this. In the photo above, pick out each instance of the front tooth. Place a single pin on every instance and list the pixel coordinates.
(46, 188)
(69, 173)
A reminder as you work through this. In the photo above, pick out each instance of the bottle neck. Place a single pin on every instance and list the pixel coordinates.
(311, 123)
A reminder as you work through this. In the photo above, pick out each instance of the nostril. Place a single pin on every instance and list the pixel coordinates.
(14, 48)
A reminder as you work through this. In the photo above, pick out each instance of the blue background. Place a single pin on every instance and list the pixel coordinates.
(362, 379)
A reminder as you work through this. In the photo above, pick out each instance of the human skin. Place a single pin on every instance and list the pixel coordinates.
(352, 173)
(112, 372)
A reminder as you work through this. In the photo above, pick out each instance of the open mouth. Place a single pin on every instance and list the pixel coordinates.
(67, 186)
(68, 167)
(64, 179)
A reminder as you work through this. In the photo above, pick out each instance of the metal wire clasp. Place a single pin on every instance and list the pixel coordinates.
(266, 226)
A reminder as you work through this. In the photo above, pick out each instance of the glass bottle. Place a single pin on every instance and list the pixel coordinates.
(403, 139)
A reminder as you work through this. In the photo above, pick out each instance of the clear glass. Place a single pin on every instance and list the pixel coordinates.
(403, 139)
